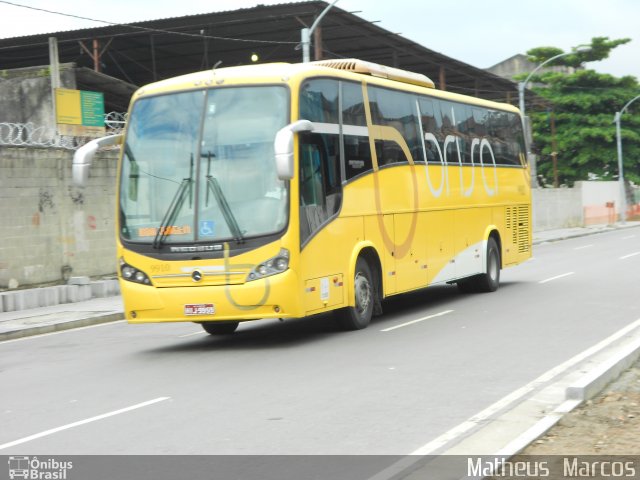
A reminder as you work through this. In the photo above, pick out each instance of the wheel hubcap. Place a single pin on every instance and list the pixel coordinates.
(363, 293)
(493, 266)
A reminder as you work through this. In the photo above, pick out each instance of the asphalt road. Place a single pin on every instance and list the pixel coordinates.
(433, 360)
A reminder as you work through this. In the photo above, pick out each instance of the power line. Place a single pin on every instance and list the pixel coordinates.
(146, 29)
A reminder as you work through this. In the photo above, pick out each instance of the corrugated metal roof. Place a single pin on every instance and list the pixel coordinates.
(143, 52)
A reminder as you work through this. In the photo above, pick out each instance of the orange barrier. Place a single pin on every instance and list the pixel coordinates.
(607, 214)
(600, 214)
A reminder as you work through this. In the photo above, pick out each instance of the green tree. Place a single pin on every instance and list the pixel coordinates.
(583, 105)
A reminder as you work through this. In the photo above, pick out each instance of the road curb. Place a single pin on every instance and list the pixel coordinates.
(594, 382)
(587, 387)
(61, 326)
(582, 234)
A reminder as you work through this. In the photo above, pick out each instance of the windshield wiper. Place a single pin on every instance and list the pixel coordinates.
(186, 187)
(214, 186)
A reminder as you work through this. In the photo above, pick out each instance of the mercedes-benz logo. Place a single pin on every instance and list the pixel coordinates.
(196, 276)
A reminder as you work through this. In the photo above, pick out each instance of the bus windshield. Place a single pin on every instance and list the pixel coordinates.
(199, 166)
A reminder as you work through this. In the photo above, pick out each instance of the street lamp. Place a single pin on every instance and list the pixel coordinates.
(522, 85)
(305, 33)
(521, 88)
(623, 193)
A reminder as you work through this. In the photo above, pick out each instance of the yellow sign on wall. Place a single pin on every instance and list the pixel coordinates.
(80, 113)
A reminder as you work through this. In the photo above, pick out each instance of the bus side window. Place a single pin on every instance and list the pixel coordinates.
(320, 183)
(396, 110)
(517, 139)
(463, 125)
(319, 100)
(310, 176)
(357, 151)
(431, 123)
(506, 151)
(358, 156)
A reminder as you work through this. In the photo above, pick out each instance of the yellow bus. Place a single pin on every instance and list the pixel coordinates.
(287, 190)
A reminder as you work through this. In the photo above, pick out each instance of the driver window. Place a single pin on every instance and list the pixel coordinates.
(320, 184)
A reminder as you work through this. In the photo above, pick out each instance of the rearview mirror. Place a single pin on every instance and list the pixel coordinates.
(84, 156)
(283, 147)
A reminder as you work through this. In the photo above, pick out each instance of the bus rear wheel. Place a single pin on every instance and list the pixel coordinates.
(489, 281)
(220, 328)
(359, 316)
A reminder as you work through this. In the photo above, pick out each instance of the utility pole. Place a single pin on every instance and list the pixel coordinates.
(623, 192)
(54, 67)
(305, 34)
(554, 148)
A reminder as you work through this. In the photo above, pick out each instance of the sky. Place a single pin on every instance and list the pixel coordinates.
(481, 34)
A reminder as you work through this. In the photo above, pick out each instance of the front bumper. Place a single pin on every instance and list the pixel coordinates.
(271, 297)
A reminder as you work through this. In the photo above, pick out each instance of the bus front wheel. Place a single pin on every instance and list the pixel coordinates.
(219, 328)
(359, 316)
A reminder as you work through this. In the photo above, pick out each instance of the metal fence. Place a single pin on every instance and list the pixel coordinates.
(30, 135)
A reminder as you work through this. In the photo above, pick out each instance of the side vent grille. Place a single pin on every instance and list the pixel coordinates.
(517, 222)
(523, 229)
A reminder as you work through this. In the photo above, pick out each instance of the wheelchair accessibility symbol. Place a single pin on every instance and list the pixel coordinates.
(207, 228)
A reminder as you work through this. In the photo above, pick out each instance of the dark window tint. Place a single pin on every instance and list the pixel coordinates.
(504, 135)
(357, 155)
(319, 101)
(431, 120)
(517, 138)
(320, 185)
(462, 123)
(353, 112)
(389, 152)
(479, 122)
(397, 110)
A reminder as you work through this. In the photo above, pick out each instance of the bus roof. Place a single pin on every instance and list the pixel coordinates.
(277, 73)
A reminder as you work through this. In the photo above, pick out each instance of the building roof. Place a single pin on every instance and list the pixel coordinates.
(142, 52)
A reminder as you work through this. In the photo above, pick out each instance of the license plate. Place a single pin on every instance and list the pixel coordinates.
(200, 309)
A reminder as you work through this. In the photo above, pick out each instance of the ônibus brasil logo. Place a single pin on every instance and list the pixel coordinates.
(30, 468)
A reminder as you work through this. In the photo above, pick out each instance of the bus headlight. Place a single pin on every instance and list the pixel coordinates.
(133, 274)
(274, 265)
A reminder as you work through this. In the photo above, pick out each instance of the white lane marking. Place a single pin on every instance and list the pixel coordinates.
(81, 422)
(480, 417)
(628, 237)
(417, 320)
(191, 334)
(556, 277)
(583, 247)
(630, 255)
(69, 330)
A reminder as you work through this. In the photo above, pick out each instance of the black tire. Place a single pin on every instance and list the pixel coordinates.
(359, 316)
(485, 282)
(467, 285)
(490, 281)
(220, 328)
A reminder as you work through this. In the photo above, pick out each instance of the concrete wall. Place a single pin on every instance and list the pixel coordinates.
(25, 95)
(51, 229)
(557, 208)
(587, 203)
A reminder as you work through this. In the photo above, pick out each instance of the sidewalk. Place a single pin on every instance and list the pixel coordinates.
(565, 233)
(36, 321)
